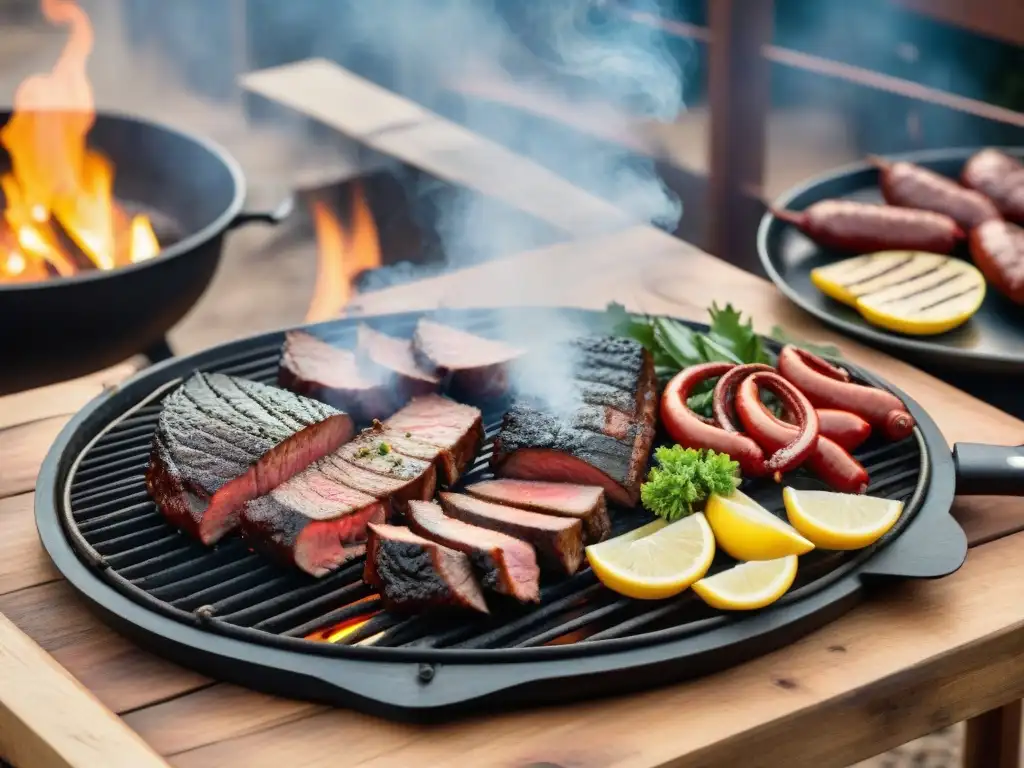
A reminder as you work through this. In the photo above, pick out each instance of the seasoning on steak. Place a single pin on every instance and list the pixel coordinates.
(456, 429)
(473, 365)
(312, 367)
(505, 564)
(414, 574)
(558, 540)
(583, 502)
(393, 359)
(311, 521)
(606, 441)
(221, 442)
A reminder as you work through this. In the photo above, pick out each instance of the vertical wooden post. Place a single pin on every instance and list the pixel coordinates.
(993, 738)
(739, 85)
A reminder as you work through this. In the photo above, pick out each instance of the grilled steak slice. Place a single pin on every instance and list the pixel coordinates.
(583, 502)
(558, 540)
(393, 360)
(209, 457)
(311, 521)
(475, 366)
(456, 429)
(532, 445)
(414, 574)
(371, 452)
(312, 367)
(505, 564)
(397, 490)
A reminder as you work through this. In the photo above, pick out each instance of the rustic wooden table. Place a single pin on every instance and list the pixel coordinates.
(911, 661)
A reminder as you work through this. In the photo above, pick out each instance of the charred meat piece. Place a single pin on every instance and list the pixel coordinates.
(532, 445)
(398, 490)
(394, 361)
(505, 564)
(210, 456)
(475, 366)
(312, 367)
(414, 574)
(583, 502)
(311, 521)
(456, 429)
(997, 248)
(558, 540)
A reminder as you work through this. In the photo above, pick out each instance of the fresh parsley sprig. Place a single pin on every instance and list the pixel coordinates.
(686, 477)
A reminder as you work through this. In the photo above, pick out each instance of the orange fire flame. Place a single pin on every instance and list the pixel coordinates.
(338, 632)
(57, 185)
(341, 256)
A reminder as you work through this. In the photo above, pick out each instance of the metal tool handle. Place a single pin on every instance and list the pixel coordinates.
(989, 470)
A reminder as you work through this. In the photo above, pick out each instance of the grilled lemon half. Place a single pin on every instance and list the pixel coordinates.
(911, 292)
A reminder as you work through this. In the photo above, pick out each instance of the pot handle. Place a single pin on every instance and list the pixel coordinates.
(273, 216)
(989, 470)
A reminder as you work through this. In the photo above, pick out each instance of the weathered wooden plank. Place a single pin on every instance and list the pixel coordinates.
(120, 674)
(49, 720)
(23, 561)
(22, 450)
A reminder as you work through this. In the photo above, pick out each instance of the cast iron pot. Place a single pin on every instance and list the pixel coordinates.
(66, 327)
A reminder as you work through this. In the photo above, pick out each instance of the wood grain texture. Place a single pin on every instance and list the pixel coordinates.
(23, 562)
(23, 449)
(61, 399)
(49, 720)
(913, 659)
(952, 643)
(122, 675)
(992, 739)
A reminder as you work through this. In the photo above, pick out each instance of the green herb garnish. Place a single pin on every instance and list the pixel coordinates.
(363, 452)
(408, 434)
(674, 345)
(383, 449)
(686, 477)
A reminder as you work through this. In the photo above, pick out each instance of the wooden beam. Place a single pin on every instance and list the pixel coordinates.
(49, 720)
(999, 19)
(739, 89)
(992, 739)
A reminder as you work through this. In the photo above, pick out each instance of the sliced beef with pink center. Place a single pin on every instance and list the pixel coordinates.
(415, 574)
(583, 502)
(455, 429)
(505, 564)
(312, 367)
(311, 521)
(393, 359)
(474, 366)
(211, 454)
(557, 540)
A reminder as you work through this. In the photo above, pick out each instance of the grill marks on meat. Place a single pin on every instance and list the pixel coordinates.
(474, 365)
(211, 454)
(393, 360)
(504, 564)
(414, 574)
(311, 521)
(456, 430)
(312, 367)
(557, 540)
(604, 442)
(371, 453)
(583, 502)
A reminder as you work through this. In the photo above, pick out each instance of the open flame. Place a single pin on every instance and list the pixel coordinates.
(341, 255)
(59, 209)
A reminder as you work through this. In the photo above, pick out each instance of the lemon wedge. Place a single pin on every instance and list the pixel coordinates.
(657, 560)
(840, 520)
(911, 292)
(748, 586)
(748, 531)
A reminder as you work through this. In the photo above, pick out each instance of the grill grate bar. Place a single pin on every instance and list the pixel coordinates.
(348, 594)
(124, 475)
(133, 515)
(374, 626)
(153, 565)
(137, 447)
(116, 490)
(263, 576)
(132, 463)
(147, 552)
(580, 622)
(136, 537)
(302, 592)
(351, 611)
(221, 575)
(205, 562)
(635, 623)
